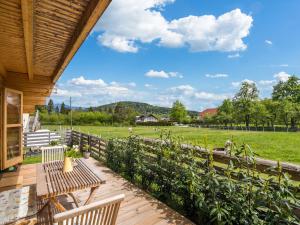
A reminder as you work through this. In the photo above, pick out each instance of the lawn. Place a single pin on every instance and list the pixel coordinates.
(277, 146)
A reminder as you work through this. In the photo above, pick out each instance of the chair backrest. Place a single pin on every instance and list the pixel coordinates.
(102, 212)
(52, 153)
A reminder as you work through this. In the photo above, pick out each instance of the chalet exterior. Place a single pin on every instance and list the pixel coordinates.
(208, 112)
(146, 118)
(37, 41)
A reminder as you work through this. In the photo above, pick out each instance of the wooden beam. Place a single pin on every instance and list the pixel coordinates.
(89, 18)
(27, 18)
(2, 70)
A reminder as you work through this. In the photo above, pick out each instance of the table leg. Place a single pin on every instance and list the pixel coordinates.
(74, 199)
(92, 193)
(44, 206)
(57, 204)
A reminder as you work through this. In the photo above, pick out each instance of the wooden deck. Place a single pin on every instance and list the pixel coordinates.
(138, 207)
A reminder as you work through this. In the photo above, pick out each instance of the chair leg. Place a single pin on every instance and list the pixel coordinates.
(92, 193)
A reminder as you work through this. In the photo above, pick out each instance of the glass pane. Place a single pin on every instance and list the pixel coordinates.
(13, 108)
(13, 142)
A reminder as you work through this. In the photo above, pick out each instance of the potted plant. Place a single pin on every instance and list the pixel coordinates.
(86, 151)
(70, 154)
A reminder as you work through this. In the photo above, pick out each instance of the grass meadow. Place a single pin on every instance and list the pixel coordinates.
(280, 146)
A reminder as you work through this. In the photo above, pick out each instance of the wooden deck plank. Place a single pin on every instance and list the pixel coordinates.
(137, 208)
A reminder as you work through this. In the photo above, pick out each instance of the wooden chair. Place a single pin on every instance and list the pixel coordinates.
(101, 212)
(52, 153)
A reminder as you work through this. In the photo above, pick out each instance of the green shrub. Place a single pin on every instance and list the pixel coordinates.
(193, 186)
(159, 123)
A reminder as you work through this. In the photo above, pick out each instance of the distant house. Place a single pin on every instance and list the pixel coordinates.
(208, 112)
(165, 118)
(146, 118)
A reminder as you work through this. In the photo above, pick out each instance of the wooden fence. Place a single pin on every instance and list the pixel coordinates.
(98, 146)
(38, 139)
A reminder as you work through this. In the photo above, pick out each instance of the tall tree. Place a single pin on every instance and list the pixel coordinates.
(57, 109)
(225, 112)
(288, 93)
(243, 101)
(272, 111)
(288, 90)
(124, 113)
(50, 106)
(178, 112)
(63, 109)
(259, 113)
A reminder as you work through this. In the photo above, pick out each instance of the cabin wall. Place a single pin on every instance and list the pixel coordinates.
(1, 122)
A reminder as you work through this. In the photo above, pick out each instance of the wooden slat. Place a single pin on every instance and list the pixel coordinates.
(2, 70)
(91, 15)
(27, 17)
(62, 183)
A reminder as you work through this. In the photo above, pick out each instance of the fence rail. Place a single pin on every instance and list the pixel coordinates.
(96, 144)
(38, 139)
(98, 147)
(252, 128)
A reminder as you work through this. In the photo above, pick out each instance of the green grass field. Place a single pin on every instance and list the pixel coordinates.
(277, 146)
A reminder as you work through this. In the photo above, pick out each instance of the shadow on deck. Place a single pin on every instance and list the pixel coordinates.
(137, 208)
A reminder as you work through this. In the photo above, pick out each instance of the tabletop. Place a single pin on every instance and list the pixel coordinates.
(52, 181)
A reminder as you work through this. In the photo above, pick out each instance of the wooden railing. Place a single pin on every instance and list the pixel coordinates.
(38, 139)
(98, 149)
(98, 146)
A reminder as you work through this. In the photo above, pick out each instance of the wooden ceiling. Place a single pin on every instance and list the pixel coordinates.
(38, 38)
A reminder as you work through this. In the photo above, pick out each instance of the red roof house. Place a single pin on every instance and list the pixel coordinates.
(208, 112)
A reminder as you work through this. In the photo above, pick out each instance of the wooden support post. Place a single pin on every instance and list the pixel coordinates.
(27, 18)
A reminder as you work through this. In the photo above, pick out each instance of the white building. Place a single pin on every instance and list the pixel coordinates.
(144, 119)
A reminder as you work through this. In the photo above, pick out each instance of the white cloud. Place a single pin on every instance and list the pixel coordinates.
(232, 56)
(238, 83)
(268, 42)
(284, 65)
(65, 93)
(191, 92)
(282, 76)
(132, 84)
(184, 89)
(218, 75)
(127, 23)
(120, 44)
(162, 74)
(267, 82)
(148, 85)
(85, 82)
(87, 94)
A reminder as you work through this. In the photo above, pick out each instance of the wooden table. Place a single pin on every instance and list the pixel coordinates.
(53, 182)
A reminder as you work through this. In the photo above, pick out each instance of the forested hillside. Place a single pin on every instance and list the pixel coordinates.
(141, 108)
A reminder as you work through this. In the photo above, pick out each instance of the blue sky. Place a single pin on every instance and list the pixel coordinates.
(197, 51)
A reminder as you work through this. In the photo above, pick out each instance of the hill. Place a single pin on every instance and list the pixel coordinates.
(141, 108)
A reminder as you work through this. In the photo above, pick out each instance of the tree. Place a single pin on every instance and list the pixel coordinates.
(288, 93)
(57, 109)
(63, 109)
(225, 112)
(243, 101)
(123, 113)
(272, 111)
(288, 90)
(50, 106)
(259, 113)
(178, 112)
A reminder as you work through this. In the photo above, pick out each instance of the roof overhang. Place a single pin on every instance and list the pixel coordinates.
(38, 40)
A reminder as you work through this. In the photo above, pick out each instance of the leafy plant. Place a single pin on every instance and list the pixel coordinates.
(192, 183)
(53, 143)
(86, 148)
(73, 153)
